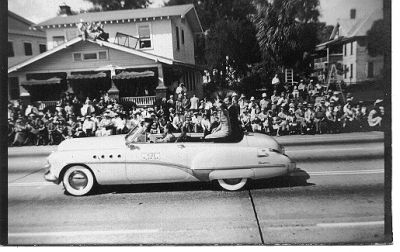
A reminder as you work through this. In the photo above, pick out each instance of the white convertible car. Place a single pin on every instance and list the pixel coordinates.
(83, 163)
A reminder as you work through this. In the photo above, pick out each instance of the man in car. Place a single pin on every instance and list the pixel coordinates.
(168, 136)
(138, 133)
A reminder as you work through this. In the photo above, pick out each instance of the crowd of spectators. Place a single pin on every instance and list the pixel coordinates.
(303, 108)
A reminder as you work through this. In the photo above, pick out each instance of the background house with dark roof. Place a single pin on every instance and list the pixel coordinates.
(156, 41)
(23, 43)
(347, 50)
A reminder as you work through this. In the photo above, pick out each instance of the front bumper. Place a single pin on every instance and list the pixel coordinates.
(50, 177)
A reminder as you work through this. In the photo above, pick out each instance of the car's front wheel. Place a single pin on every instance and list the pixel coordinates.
(78, 180)
(232, 184)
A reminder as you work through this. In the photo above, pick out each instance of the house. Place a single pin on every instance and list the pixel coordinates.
(148, 53)
(346, 49)
(23, 43)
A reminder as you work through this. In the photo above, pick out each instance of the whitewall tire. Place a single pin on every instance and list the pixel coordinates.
(232, 184)
(78, 180)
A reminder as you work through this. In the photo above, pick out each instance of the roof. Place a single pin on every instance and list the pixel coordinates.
(139, 53)
(356, 27)
(351, 28)
(176, 10)
(18, 17)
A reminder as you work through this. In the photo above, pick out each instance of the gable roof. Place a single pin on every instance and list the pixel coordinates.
(103, 16)
(132, 51)
(349, 28)
(19, 18)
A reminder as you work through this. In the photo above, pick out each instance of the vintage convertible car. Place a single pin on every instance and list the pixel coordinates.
(82, 163)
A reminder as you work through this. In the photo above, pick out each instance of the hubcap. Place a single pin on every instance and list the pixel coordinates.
(232, 181)
(78, 180)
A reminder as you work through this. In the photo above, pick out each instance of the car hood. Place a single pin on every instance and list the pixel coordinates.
(93, 143)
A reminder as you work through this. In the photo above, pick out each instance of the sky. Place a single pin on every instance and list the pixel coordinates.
(41, 10)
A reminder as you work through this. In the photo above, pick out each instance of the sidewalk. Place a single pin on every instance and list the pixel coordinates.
(291, 140)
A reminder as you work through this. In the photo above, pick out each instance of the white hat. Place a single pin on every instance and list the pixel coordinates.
(252, 98)
(264, 95)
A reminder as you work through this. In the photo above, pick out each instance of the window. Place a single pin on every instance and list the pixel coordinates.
(77, 56)
(10, 49)
(58, 40)
(351, 71)
(183, 37)
(103, 55)
(28, 48)
(144, 36)
(351, 48)
(345, 71)
(13, 88)
(370, 69)
(42, 48)
(87, 56)
(177, 37)
(344, 49)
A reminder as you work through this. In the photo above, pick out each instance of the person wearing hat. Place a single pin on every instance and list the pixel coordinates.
(309, 116)
(242, 103)
(275, 81)
(89, 126)
(234, 116)
(263, 102)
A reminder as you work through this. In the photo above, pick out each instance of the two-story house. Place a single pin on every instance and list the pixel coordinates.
(23, 43)
(149, 51)
(347, 50)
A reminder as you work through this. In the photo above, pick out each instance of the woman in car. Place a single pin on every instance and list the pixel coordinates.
(224, 128)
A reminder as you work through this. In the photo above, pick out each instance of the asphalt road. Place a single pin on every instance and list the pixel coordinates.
(336, 197)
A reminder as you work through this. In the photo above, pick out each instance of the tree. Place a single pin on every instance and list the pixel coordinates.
(376, 38)
(287, 31)
(119, 4)
(229, 46)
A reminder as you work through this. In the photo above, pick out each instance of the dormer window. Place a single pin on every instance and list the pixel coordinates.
(144, 36)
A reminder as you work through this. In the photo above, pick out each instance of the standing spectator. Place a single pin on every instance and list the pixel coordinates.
(89, 126)
(375, 117)
(309, 116)
(295, 94)
(194, 103)
(242, 103)
(180, 89)
(205, 125)
(264, 102)
(319, 119)
(275, 81)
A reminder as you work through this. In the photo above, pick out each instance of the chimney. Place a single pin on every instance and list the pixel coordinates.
(65, 10)
(353, 14)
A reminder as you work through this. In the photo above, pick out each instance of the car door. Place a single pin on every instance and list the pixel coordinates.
(157, 163)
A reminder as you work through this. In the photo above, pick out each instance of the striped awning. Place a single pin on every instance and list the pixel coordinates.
(33, 82)
(86, 76)
(133, 75)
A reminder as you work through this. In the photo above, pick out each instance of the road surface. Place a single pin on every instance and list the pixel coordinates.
(337, 197)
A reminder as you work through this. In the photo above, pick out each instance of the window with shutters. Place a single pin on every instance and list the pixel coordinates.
(177, 38)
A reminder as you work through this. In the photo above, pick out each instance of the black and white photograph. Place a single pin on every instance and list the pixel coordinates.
(198, 122)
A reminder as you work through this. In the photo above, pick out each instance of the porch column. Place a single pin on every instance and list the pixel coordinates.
(113, 92)
(23, 93)
(161, 89)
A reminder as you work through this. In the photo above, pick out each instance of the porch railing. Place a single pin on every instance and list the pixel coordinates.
(44, 104)
(139, 100)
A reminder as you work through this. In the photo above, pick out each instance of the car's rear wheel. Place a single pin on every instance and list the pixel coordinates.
(232, 184)
(78, 180)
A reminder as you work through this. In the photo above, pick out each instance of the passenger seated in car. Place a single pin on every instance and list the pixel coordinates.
(139, 132)
(224, 128)
(168, 136)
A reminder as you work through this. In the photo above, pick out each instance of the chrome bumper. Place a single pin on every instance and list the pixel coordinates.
(50, 177)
